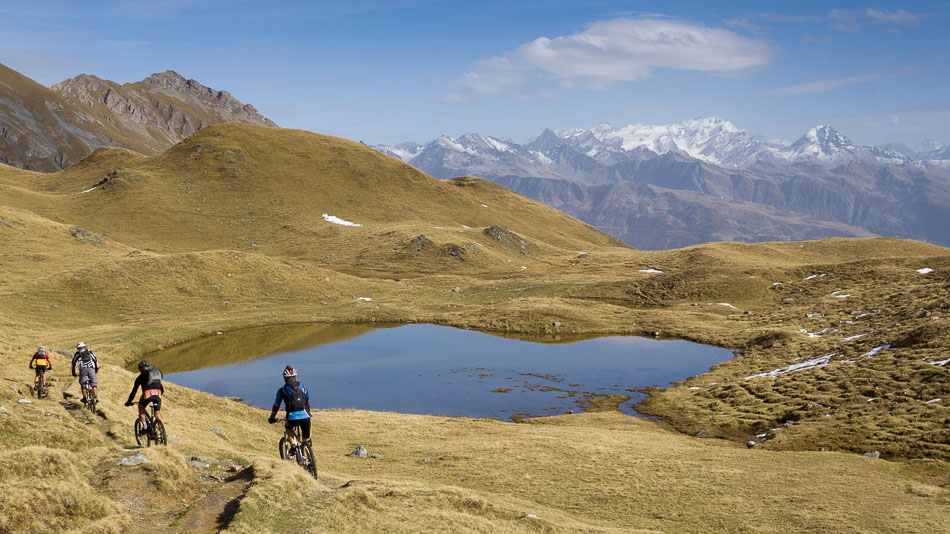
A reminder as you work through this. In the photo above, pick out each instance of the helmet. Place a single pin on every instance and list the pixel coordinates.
(289, 372)
(40, 349)
(80, 345)
(143, 365)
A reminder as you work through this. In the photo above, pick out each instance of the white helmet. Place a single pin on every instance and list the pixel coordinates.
(289, 372)
(40, 349)
(80, 345)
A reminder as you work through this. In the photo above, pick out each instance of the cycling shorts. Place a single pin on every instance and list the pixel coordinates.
(88, 374)
(304, 425)
(40, 369)
(151, 396)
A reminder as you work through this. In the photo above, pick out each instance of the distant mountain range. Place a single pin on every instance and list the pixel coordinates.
(707, 180)
(47, 129)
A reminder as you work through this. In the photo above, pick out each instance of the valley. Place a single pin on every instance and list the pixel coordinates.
(241, 226)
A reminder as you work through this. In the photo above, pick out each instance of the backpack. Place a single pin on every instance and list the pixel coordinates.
(85, 356)
(153, 375)
(297, 399)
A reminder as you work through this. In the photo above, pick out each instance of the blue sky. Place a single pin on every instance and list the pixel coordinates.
(385, 71)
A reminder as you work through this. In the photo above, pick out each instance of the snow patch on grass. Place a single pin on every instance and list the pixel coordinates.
(336, 220)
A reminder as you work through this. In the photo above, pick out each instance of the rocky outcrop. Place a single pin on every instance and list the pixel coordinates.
(50, 129)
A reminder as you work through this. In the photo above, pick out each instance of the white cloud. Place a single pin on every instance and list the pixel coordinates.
(611, 52)
(823, 86)
(852, 20)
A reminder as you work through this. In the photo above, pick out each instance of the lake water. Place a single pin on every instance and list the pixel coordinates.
(429, 369)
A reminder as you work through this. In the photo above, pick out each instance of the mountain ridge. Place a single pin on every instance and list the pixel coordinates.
(48, 129)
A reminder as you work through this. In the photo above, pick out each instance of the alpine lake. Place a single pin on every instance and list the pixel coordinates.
(438, 370)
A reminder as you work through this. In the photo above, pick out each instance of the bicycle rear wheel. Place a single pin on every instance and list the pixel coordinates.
(157, 433)
(306, 460)
(138, 433)
(90, 400)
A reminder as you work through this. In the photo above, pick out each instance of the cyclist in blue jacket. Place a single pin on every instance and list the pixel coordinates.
(296, 400)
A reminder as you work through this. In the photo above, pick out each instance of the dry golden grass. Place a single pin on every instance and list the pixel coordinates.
(186, 243)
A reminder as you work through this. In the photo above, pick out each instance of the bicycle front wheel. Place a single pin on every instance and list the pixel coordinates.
(283, 448)
(138, 433)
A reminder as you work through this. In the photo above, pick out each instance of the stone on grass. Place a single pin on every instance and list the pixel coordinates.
(25, 401)
(531, 516)
(198, 465)
(206, 459)
(704, 433)
(219, 431)
(376, 456)
(359, 451)
(750, 444)
(135, 459)
(872, 454)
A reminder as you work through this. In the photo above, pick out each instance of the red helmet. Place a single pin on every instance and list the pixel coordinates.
(289, 372)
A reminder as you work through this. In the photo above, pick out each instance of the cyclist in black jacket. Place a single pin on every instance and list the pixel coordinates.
(150, 380)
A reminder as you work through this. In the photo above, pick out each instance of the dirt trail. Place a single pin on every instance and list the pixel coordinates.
(137, 490)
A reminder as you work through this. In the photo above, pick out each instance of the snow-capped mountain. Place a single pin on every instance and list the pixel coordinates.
(826, 146)
(712, 140)
(715, 180)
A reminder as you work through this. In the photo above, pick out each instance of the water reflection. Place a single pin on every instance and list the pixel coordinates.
(430, 369)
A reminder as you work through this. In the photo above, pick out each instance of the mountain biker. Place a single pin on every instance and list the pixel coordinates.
(296, 401)
(40, 361)
(88, 367)
(150, 379)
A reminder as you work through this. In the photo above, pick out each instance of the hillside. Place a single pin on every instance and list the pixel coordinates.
(226, 230)
(48, 129)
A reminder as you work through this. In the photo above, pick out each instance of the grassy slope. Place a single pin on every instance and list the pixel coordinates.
(197, 242)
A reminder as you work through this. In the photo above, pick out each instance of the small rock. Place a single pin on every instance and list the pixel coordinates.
(694, 304)
(873, 454)
(750, 444)
(219, 333)
(814, 315)
(205, 459)
(426, 459)
(219, 431)
(704, 433)
(923, 314)
(25, 401)
(359, 451)
(787, 299)
(458, 290)
(376, 456)
(747, 312)
(174, 438)
(198, 465)
(135, 459)
(531, 516)
(557, 324)
(2, 408)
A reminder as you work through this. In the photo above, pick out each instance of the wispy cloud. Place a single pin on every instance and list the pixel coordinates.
(823, 86)
(852, 21)
(607, 53)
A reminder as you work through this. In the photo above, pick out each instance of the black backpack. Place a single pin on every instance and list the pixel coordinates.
(85, 356)
(297, 399)
(153, 375)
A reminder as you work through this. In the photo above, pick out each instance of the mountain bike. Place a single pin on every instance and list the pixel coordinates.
(153, 431)
(300, 451)
(41, 388)
(89, 398)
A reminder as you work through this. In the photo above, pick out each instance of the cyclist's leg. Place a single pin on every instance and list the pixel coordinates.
(90, 375)
(289, 432)
(36, 379)
(305, 430)
(157, 399)
(143, 403)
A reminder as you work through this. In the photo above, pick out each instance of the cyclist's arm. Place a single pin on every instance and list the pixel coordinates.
(75, 359)
(95, 361)
(277, 400)
(135, 387)
(308, 403)
(32, 360)
(49, 364)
